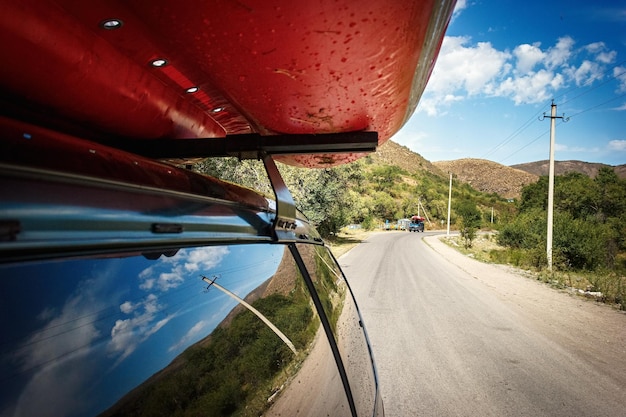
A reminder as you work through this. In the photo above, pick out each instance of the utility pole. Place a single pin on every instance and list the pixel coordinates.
(553, 118)
(425, 212)
(256, 312)
(449, 205)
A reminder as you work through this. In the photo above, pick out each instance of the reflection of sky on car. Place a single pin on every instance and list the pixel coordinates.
(81, 334)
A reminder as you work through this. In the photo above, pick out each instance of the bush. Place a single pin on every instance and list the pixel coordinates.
(369, 223)
(582, 243)
(527, 231)
(470, 219)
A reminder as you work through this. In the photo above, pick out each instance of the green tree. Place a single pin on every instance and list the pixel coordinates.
(324, 198)
(580, 243)
(249, 173)
(385, 177)
(611, 193)
(323, 195)
(470, 220)
(574, 194)
(384, 206)
(526, 231)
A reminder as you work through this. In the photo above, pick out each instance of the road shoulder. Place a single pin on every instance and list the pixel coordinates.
(592, 330)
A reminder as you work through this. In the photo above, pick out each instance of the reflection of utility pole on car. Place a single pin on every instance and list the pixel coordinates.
(256, 312)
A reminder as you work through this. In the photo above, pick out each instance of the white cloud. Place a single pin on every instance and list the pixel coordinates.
(147, 284)
(607, 57)
(560, 53)
(595, 47)
(470, 68)
(128, 333)
(127, 307)
(586, 73)
(63, 367)
(165, 274)
(620, 74)
(189, 336)
(531, 88)
(169, 280)
(528, 56)
(458, 8)
(205, 258)
(68, 331)
(177, 266)
(602, 54)
(527, 75)
(617, 145)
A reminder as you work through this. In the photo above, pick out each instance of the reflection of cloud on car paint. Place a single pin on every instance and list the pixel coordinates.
(204, 258)
(75, 317)
(166, 274)
(177, 266)
(61, 368)
(94, 333)
(128, 333)
(195, 330)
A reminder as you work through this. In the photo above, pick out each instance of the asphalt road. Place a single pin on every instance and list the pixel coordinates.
(455, 337)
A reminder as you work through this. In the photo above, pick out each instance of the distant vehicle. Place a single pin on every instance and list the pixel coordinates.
(403, 224)
(417, 224)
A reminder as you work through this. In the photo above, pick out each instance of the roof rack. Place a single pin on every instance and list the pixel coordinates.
(250, 146)
(255, 146)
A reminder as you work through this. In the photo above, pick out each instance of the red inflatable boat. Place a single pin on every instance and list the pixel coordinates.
(295, 78)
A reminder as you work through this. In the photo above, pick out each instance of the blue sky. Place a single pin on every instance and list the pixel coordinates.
(94, 329)
(501, 65)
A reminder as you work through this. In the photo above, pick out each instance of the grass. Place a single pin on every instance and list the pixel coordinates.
(606, 287)
(345, 240)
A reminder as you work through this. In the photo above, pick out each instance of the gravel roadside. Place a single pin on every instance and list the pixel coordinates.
(593, 331)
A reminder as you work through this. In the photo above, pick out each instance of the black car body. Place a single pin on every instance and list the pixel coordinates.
(131, 287)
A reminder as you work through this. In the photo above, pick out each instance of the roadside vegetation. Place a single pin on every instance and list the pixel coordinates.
(238, 365)
(366, 193)
(589, 234)
(589, 239)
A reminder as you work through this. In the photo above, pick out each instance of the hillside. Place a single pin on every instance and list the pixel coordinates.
(389, 184)
(392, 153)
(488, 177)
(563, 167)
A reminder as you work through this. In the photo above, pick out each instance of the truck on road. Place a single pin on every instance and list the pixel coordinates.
(417, 224)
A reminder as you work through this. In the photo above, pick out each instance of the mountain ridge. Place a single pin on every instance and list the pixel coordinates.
(484, 175)
(563, 167)
(488, 176)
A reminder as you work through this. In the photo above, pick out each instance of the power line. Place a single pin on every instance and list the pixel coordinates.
(561, 122)
(598, 105)
(528, 123)
(513, 135)
(525, 146)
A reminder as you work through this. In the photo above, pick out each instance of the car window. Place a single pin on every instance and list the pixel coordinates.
(213, 330)
(341, 309)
